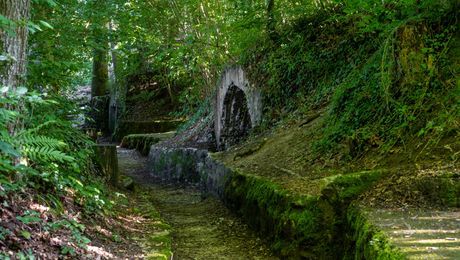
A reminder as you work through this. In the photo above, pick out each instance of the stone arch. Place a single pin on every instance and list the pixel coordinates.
(236, 120)
(238, 108)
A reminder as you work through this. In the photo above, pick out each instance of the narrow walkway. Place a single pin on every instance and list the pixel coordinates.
(202, 228)
(421, 234)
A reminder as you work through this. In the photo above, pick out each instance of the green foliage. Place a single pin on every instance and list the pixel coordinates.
(76, 229)
(29, 217)
(383, 67)
(43, 149)
(40, 148)
(59, 53)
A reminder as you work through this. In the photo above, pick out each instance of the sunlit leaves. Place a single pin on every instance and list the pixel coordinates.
(45, 24)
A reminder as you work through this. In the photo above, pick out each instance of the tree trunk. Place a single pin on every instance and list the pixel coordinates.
(114, 84)
(271, 21)
(106, 156)
(100, 82)
(14, 45)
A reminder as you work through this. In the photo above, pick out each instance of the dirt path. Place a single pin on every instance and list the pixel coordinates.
(201, 228)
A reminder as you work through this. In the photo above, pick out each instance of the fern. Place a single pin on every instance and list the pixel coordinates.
(46, 154)
(41, 148)
(41, 126)
(29, 140)
(7, 116)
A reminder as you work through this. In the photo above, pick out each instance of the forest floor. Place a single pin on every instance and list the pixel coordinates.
(201, 228)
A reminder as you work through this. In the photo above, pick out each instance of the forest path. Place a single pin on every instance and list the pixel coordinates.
(201, 228)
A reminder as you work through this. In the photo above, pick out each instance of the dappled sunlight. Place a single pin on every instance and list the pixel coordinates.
(40, 208)
(441, 217)
(100, 251)
(426, 234)
(132, 219)
(229, 129)
(103, 231)
(424, 231)
(433, 241)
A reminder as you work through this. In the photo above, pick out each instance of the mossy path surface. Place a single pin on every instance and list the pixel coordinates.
(201, 228)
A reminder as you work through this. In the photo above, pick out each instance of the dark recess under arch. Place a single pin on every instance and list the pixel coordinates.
(236, 120)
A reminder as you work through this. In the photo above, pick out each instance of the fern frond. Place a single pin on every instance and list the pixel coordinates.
(39, 127)
(46, 154)
(29, 140)
(7, 116)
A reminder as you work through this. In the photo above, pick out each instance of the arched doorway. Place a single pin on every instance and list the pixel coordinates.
(236, 120)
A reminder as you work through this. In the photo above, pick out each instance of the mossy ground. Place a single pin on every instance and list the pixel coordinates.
(205, 229)
(134, 229)
(142, 226)
(201, 228)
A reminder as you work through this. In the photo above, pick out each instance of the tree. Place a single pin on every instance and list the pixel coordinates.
(271, 21)
(100, 21)
(14, 42)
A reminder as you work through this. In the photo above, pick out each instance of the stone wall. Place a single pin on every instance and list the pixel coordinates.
(298, 226)
(191, 166)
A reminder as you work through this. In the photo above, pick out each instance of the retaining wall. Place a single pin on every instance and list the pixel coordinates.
(298, 226)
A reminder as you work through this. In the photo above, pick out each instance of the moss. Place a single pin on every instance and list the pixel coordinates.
(299, 226)
(153, 234)
(441, 190)
(143, 142)
(295, 224)
(185, 167)
(162, 241)
(347, 187)
(366, 240)
(176, 166)
(144, 127)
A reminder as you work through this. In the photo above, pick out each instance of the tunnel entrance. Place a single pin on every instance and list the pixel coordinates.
(236, 120)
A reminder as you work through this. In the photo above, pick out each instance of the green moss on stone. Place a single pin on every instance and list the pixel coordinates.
(366, 241)
(144, 127)
(143, 142)
(348, 186)
(299, 226)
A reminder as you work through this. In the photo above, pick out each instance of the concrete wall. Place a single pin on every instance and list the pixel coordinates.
(189, 166)
(237, 77)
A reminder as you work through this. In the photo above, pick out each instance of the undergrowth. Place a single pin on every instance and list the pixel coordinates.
(44, 161)
(387, 72)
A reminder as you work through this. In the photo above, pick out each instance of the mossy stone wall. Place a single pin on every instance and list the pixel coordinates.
(145, 127)
(298, 226)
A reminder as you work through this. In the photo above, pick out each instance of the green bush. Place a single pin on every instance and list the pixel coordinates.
(41, 149)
